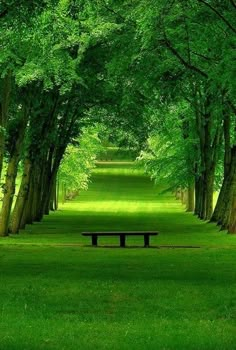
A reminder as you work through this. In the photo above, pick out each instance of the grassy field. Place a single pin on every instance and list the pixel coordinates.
(56, 292)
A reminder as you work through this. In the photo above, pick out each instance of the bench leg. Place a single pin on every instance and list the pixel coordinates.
(146, 241)
(94, 240)
(122, 241)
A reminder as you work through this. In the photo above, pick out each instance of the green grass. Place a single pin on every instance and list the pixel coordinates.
(58, 293)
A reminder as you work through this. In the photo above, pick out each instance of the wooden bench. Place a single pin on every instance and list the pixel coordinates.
(146, 235)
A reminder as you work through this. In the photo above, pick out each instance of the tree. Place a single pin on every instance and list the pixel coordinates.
(79, 161)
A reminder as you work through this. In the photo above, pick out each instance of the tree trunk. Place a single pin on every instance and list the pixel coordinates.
(190, 198)
(48, 196)
(40, 182)
(28, 207)
(202, 198)
(21, 198)
(206, 200)
(35, 197)
(226, 197)
(9, 191)
(53, 199)
(9, 186)
(198, 194)
(232, 219)
(205, 187)
(210, 177)
(57, 193)
(184, 196)
(227, 217)
(228, 165)
(219, 208)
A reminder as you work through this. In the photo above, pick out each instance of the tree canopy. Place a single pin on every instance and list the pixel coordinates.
(158, 74)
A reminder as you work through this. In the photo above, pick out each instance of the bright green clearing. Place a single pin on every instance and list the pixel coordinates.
(59, 293)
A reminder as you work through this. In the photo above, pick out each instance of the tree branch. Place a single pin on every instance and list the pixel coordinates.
(218, 14)
(203, 56)
(233, 3)
(183, 61)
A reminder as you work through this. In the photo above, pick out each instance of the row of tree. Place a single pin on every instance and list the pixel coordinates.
(47, 86)
(173, 68)
(158, 74)
(191, 48)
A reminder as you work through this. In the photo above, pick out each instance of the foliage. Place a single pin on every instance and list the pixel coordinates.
(171, 158)
(79, 160)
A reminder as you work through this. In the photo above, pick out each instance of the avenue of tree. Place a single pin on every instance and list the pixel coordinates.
(160, 75)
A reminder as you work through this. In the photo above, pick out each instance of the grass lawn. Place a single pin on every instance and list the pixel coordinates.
(56, 292)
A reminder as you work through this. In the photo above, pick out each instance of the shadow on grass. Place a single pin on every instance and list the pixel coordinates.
(142, 247)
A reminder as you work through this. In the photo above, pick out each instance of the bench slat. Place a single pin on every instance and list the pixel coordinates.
(118, 233)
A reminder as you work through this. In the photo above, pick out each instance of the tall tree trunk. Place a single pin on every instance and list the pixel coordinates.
(36, 200)
(183, 196)
(198, 194)
(21, 198)
(205, 185)
(228, 159)
(40, 182)
(28, 212)
(232, 219)
(219, 208)
(9, 186)
(228, 213)
(53, 200)
(57, 193)
(190, 198)
(9, 191)
(48, 196)
(210, 177)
